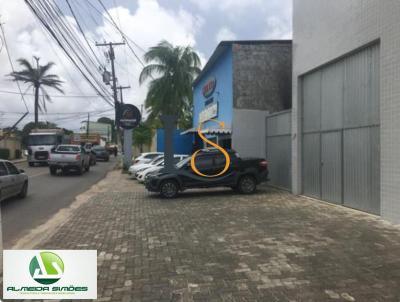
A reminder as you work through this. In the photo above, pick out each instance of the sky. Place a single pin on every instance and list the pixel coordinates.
(201, 24)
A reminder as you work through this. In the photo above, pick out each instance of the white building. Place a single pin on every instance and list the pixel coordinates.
(346, 103)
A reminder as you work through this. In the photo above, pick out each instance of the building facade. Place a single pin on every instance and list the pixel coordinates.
(242, 83)
(346, 103)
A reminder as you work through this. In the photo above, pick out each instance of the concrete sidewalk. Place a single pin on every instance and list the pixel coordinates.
(219, 246)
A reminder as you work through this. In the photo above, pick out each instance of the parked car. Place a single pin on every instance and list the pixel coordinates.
(69, 157)
(142, 173)
(147, 157)
(141, 166)
(13, 181)
(243, 174)
(101, 153)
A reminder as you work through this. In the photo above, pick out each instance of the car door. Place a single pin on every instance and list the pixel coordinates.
(204, 164)
(4, 182)
(14, 175)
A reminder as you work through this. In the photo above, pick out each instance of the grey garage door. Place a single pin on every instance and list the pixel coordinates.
(341, 145)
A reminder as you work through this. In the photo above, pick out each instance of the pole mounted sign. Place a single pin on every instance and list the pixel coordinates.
(129, 116)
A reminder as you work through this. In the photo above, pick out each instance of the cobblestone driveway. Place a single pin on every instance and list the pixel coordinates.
(218, 246)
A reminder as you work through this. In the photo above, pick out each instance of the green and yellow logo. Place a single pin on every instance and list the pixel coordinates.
(46, 268)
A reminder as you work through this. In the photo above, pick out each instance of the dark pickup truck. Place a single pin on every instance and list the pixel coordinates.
(242, 176)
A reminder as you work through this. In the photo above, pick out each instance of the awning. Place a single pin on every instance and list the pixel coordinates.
(208, 131)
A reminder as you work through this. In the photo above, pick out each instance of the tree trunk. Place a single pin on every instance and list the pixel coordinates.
(36, 106)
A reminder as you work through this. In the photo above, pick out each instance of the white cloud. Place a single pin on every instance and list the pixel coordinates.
(226, 4)
(225, 34)
(278, 28)
(147, 25)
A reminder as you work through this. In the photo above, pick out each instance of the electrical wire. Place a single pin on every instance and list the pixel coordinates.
(52, 96)
(51, 17)
(12, 65)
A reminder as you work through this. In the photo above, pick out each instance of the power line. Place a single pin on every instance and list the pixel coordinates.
(52, 96)
(51, 18)
(12, 65)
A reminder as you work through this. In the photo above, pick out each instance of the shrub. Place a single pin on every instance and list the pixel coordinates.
(4, 153)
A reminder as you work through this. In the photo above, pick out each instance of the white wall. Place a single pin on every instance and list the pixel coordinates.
(248, 132)
(325, 30)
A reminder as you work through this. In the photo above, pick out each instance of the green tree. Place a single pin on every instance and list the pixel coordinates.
(38, 78)
(172, 70)
(142, 135)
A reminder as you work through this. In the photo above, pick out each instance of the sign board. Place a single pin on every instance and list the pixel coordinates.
(129, 116)
(209, 112)
(209, 87)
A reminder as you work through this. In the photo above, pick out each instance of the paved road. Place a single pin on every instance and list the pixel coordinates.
(47, 194)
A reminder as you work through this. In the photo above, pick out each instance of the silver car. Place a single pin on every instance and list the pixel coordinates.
(13, 181)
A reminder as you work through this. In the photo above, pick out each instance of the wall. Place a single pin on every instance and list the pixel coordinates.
(182, 143)
(222, 71)
(326, 30)
(248, 132)
(12, 144)
(279, 149)
(262, 75)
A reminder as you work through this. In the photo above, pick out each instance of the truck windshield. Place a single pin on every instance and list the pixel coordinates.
(42, 140)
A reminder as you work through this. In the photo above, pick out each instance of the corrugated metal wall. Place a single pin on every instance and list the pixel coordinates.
(279, 148)
(341, 153)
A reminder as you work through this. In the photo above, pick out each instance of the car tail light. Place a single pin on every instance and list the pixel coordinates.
(263, 164)
(78, 157)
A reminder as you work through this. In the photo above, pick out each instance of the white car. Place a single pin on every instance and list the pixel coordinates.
(13, 181)
(141, 174)
(141, 166)
(146, 158)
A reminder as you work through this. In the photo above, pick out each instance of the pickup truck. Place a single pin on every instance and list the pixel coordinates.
(242, 176)
(69, 157)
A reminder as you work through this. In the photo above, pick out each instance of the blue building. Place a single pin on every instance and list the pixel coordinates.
(242, 83)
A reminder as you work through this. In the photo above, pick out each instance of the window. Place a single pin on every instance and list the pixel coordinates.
(68, 149)
(3, 170)
(11, 168)
(151, 156)
(204, 162)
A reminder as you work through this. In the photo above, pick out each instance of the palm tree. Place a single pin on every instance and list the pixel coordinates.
(38, 78)
(172, 71)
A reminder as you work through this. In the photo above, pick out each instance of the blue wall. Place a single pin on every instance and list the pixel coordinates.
(223, 94)
(182, 143)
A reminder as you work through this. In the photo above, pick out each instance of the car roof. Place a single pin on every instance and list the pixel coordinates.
(215, 150)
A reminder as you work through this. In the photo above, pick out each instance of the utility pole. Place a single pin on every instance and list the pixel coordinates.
(87, 126)
(120, 92)
(114, 79)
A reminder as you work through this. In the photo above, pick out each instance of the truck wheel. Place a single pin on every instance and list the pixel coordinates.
(169, 188)
(24, 190)
(53, 170)
(247, 184)
(31, 164)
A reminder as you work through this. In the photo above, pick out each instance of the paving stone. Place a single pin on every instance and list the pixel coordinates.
(214, 245)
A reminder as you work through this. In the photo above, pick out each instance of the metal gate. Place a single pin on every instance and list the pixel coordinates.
(340, 146)
(279, 148)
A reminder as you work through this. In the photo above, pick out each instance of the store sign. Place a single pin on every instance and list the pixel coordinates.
(209, 87)
(129, 116)
(211, 111)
